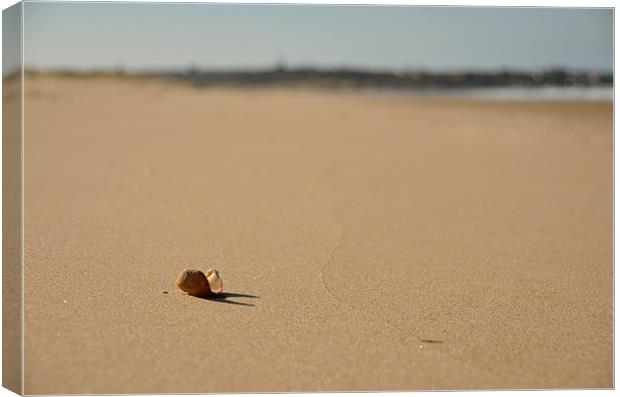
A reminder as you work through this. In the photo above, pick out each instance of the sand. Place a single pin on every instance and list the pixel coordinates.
(11, 235)
(367, 243)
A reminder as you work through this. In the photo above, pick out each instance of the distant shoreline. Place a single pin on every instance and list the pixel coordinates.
(599, 91)
(350, 78)
(512, 94)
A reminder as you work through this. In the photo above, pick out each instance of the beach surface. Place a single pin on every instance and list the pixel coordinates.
(366, 243)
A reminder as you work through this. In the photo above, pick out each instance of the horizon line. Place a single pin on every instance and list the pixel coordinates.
(195, 69)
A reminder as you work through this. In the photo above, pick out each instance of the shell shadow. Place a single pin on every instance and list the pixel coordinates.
(223, 298)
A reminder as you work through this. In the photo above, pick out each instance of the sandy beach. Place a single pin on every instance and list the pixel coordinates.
(367, 243)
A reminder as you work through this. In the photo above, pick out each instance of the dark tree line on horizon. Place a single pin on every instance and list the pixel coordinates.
(361, 79)
(350, 78)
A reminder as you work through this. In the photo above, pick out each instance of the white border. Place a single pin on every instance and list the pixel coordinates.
(438, 3)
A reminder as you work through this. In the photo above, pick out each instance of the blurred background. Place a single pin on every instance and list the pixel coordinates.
(419, 49)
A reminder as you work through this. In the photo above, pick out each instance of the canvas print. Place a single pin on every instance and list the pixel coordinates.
(207, 198)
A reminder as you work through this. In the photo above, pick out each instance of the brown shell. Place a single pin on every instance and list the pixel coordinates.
(194, 282)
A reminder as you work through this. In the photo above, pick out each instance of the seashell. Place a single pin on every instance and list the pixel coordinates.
(195, 283)
(215, 281)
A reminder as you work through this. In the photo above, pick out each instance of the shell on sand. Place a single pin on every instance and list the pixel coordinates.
(215, 281)
(196, 283)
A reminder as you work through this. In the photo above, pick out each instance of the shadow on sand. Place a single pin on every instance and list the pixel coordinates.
(223, 298)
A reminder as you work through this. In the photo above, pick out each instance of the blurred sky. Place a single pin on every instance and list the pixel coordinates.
(11, 39)
(155, 36)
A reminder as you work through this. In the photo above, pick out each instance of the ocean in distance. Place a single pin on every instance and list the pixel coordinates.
(533, 94)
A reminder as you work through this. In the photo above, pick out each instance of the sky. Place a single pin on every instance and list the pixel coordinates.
(142, 36)
(11, 39)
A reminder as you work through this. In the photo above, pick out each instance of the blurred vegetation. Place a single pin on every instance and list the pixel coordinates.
(349, 78)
